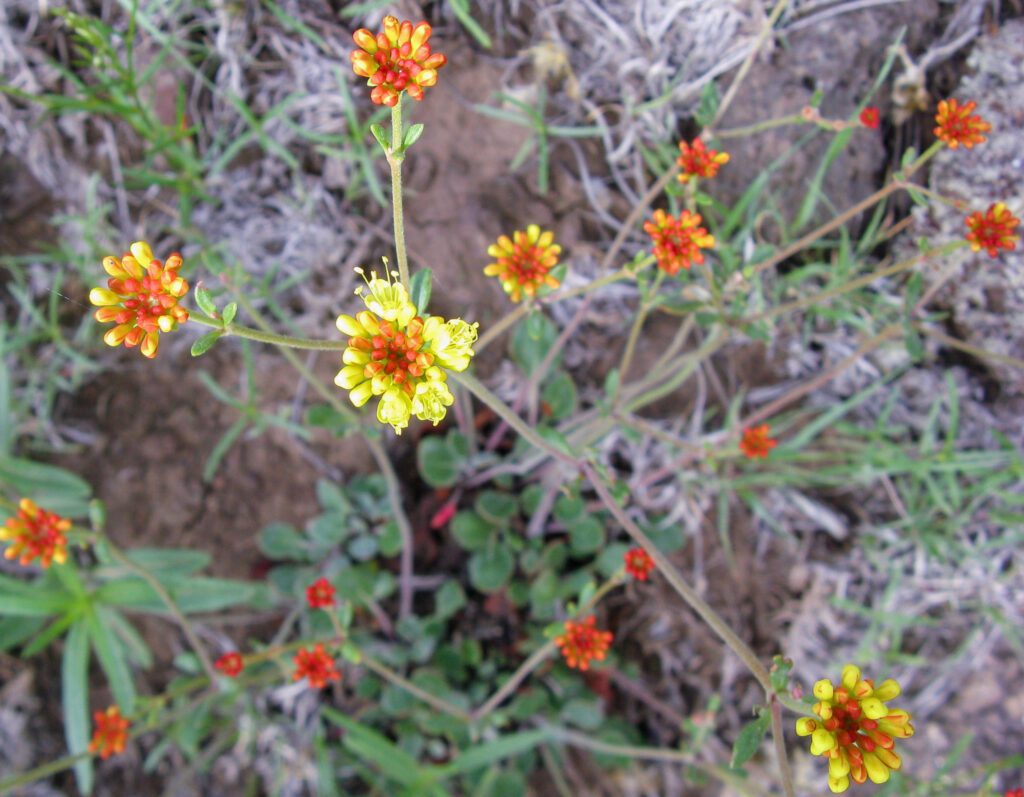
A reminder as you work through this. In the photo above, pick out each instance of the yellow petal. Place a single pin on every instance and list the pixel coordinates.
(873, 708)
(150, 344)
(349, 326)
(839, 766)
(355, 357)
(532, 233)
(365, 40)
(545, 239)
(887, 690)
(877, 771)
(116, 336)
(142, 253)
(361, 394)
(114, 268)
(805, 726)
(823, 689)
(822, 741)
(349, 376)
(101, 297)
(838, 785)
(851, 674)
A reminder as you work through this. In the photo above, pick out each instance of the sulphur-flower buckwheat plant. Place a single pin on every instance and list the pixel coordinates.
(582, 643)
(111, 733)
(34, 533)
(695, 160)
(395, 60)
(316, 665)
(402, 358)
(523, 262)
(856, 731)
(141, 298)
(956, 125)
(992, 230)
(678, 241)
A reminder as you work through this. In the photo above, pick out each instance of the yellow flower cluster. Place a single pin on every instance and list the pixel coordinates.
(395, 354)
(856, 731)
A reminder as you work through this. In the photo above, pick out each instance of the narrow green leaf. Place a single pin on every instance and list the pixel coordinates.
(230, 311)
(381, 136)
(412, 135)
(204, 343)
(376, 749)
(112, 658)
(205, 301)
(75, 699)
(749, 740)
(483, 755)
(420, 290)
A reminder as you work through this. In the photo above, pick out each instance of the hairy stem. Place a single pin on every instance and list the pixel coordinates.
(395, 157)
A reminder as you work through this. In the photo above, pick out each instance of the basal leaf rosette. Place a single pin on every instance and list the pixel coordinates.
(855, 730)
(400, 357)
(523, 262)
(395, 60)
(141, 298)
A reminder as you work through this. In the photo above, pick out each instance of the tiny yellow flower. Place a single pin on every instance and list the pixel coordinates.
(856, 731)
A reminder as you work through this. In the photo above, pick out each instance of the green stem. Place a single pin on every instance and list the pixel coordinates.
(859, 282)
(395, 157)
(268, 337)
(676, 581)
(388, 674)
(779, 740)
(634, 335)
(172, 606)
(40, 772)
(477, 388)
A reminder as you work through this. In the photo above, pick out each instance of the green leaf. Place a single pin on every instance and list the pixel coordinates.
(586, 536)
(490, 570)
(420, 288)
(324, 416)
(532, 339)
(488, 753)
(281, 541)
(749, 740)
(205, 342)
(438, 460)
(53, 488)
(381, 136)
(170, 563)
(205, 301)
(412, 135)
(376, 749)
(229, 313)
(75, 699)
(559, 396)
(496, 507)
(586, 714)
(471, 531)
(448, 599)
(708, 107)
(112, 658)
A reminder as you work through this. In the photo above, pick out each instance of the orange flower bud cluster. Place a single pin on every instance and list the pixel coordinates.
(34, 533)
(395, 60)
(582, 643)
